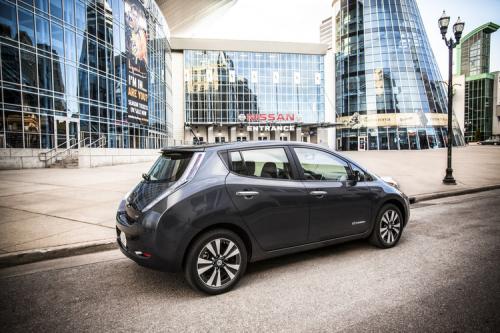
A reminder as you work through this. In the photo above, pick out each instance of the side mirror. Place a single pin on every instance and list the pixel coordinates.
(356, 176)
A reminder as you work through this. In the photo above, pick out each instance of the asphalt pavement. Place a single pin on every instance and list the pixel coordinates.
(444, 276)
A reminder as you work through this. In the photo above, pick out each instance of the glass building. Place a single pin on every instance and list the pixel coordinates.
(74, 70)
(231, 87)
(473, 59)
(386, 75)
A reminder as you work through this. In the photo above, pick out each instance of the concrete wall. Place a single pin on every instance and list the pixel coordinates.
(17, 158)
(96, 157)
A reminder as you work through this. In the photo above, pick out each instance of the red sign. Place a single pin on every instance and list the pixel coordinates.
(263, 117)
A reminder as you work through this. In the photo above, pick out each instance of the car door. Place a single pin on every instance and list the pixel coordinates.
(337, 207)
(270, 198)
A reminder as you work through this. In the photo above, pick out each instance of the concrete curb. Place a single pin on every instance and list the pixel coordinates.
(438, 195)
(26, 257)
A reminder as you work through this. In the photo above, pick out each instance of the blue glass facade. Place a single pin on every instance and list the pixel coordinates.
(222, 85)
(386, 74)
(63, 75)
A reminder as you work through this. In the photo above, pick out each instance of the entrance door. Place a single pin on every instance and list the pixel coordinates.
(61, 132)
(73, 132)
(67, 132)
(362, 140)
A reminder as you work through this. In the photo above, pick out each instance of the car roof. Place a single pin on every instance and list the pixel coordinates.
(252, 144)
(235, 145)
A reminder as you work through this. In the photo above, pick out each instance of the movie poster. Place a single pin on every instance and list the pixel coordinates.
(136, 39)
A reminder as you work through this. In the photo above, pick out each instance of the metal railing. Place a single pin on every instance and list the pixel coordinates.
(55, 154)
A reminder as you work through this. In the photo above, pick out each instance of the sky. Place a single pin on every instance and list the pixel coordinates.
(299, 21)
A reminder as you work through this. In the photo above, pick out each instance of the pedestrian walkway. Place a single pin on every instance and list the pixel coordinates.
(47, 208)
(422, 172)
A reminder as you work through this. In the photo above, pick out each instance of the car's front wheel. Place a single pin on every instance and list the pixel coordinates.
(216, 261)
(388, 227)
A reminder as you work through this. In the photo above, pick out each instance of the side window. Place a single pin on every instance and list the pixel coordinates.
(318, 165)
(363, 176)
(265, 163)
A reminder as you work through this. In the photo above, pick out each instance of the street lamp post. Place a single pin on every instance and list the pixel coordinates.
(458, 28)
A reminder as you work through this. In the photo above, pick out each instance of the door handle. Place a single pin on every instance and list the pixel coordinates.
(318, 194)
(247, 194)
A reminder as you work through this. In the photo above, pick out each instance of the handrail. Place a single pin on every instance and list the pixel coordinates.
(45, 153)
(96, 142)
(82, 143)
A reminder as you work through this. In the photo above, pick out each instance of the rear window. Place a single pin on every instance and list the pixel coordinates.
(169, 167)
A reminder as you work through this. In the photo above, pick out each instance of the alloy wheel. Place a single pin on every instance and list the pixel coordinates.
(390, 226)
(218, 262)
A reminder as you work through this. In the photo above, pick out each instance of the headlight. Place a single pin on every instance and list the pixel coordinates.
(390, 181)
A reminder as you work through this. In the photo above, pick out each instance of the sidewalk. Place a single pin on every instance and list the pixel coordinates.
(422, 172)
(60, 208)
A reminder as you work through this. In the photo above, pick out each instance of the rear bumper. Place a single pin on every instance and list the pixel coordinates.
(151, 262)
(141, 245)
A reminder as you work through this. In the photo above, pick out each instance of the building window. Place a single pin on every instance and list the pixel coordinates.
(26, 27)
(46, 52)
(8, 20)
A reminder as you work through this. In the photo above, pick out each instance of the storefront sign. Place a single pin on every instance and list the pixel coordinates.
(136, 36)
(263, 117)
(417, 119)
(285, 128)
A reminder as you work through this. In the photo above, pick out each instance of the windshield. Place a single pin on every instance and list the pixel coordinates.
(169, 167)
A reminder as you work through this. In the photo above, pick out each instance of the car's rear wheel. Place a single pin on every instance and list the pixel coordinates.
(388, 227)
(215, 262)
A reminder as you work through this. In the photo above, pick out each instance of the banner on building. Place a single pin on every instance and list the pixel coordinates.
(210, 75)
(254, 78)
(498, 90)
(187, 75)
(417, 119)
(276, 77)
(136, 37)
(317, 78)
(296, 77)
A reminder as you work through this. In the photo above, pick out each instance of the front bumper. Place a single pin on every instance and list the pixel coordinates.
(407, 208)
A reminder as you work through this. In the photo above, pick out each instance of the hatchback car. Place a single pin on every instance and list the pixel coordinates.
(209, 210)
(491, 141)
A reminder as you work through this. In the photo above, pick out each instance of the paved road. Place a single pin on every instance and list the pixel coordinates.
(443, 276)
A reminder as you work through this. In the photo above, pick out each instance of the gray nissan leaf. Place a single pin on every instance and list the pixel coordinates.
(209, 210)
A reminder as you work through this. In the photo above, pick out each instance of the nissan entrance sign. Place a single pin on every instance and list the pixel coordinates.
(272, 121)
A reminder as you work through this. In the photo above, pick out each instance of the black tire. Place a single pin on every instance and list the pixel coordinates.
(219, 276)
(380, 236)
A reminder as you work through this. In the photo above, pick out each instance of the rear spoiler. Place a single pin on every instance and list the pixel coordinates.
(188, 149)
